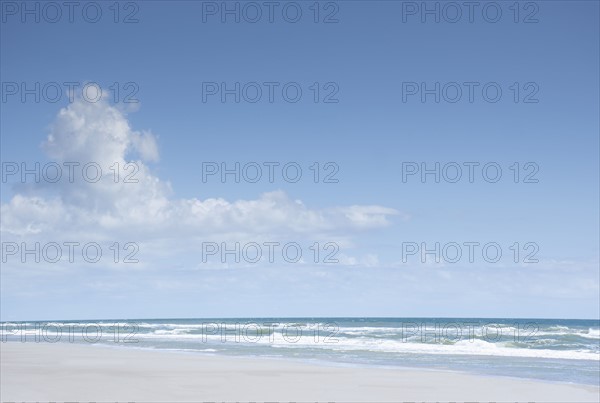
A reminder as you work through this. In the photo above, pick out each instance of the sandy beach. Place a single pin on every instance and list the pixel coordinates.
(67, 372)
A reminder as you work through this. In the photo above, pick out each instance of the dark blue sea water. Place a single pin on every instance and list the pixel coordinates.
(556, 350)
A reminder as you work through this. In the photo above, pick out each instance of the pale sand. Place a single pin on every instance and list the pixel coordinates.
(67, 372)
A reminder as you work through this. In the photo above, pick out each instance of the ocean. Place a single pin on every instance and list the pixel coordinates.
(555, 350)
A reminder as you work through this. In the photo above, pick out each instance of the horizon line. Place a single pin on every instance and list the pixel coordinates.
(299, 317)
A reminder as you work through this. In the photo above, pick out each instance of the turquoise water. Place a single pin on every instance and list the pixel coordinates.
(556, 350)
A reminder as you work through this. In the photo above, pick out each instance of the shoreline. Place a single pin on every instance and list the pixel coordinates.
(329, 363)
(209, 352)
(75, 372)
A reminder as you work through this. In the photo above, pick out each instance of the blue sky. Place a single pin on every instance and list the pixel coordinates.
(370, 213)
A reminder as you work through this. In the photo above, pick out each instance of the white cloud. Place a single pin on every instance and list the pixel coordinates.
(145, 144)
(368, 216)
(96, 132)
(370, 260)
(87, 132)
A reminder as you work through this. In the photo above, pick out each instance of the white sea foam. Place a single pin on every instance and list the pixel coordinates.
(463, 347)
(591, 334)
(383, 339)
